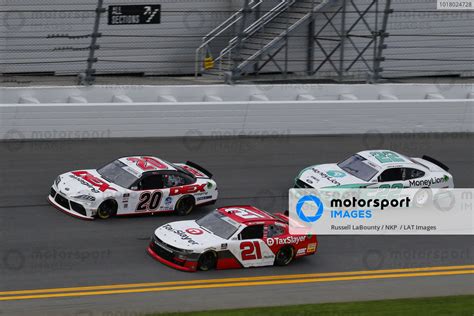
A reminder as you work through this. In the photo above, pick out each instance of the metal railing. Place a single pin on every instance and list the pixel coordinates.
(288, 30)
(218, 31)
(251, 30)
(260, 23)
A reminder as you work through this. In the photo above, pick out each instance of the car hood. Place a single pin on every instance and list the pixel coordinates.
(329, 175)
(84, 182)
(187, 235)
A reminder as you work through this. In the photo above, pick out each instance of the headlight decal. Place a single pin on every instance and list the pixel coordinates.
(85, 197)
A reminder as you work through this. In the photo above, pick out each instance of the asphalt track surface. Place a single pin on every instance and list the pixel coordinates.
(42, 248)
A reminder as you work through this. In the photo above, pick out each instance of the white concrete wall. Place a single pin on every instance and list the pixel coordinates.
(162, 111)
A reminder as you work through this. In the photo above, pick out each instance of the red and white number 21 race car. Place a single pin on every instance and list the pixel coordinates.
(230, 237)
(133, 185)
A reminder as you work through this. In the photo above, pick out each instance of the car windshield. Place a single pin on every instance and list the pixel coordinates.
(356, 166)
(117, 173)
(215, 223)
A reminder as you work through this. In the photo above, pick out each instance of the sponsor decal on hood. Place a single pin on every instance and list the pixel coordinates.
(326, 176)
(329, 175)
(336, 174)
(182, 234)
(96, 184)
(188, 235)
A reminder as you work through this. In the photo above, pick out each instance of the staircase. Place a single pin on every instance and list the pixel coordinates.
(267, 35)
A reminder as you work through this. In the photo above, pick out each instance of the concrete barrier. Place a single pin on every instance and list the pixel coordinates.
(173, 111)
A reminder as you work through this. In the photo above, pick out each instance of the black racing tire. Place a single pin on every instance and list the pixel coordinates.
(207, 261)
(284, 256)
(107, 209)
(185, 205)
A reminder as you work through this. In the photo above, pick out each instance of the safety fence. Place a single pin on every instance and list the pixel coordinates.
(89, 38)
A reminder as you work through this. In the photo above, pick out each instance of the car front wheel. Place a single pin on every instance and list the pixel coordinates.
(207, 261)
(107, 209)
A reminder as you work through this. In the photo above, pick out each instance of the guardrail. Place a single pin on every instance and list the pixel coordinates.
(175, 111)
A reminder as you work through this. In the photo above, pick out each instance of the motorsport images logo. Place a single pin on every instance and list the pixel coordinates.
(309, 204)
(381, 211)
(344, 208)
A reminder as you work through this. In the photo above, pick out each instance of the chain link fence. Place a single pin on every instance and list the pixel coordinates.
(117, 37)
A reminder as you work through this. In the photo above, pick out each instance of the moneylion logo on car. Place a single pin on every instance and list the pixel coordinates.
(336, 174)
(428, 182)
(326, 176)
(309, 204)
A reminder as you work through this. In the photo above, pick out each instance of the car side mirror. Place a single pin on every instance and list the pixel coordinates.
(134, 188)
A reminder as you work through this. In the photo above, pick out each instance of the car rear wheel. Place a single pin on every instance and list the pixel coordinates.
(207, 261)
(284, 256)
(184, 206)
(107, 209)
(423, 197)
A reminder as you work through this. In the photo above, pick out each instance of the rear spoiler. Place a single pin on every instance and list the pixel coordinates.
(198, 167)
(436, 162)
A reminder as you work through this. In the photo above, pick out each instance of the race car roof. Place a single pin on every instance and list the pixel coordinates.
(142, 164)
(246, 214)
(386, 158)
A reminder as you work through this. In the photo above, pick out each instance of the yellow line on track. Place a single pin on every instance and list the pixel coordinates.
(234, 282)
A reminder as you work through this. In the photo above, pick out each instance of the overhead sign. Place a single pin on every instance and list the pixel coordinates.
(134, 14)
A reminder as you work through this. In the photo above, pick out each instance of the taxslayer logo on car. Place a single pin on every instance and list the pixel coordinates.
(96, 182)
(181, 234)
(285, 241)
(188, 189)
(194, 231)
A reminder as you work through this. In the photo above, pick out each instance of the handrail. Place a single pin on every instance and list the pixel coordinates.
(259, 24)
(254, 27)
(218, 30)
(225, 24)
(283, 34)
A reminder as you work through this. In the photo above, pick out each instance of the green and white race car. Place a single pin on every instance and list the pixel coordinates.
(377, 169)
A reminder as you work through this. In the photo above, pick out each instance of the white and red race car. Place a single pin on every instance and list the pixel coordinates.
(133, 185)
(230, 237)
